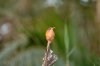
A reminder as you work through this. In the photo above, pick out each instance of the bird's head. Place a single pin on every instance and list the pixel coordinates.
(51, 28)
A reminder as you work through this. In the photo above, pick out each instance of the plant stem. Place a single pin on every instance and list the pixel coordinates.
(66, 41)
(46, 56)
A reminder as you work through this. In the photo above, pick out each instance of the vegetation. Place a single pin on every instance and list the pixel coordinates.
(76, 24)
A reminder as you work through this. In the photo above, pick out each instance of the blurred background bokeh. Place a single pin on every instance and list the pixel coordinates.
(23, 24)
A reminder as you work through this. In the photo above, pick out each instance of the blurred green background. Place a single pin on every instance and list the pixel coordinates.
(23, 24)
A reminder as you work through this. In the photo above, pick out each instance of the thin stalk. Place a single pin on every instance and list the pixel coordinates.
(47, 53)
(66, 41)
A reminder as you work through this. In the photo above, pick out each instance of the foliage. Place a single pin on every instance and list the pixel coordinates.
(74, 27)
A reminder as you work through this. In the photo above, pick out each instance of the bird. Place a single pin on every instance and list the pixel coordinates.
(50, 34)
